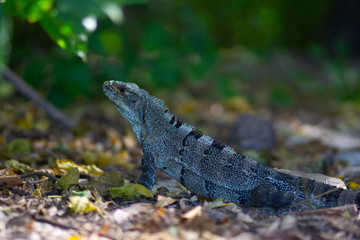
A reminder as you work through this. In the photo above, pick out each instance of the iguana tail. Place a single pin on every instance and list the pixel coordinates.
(320, 195)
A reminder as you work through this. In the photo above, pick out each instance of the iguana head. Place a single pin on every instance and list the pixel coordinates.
(129, 99)
(147, 115)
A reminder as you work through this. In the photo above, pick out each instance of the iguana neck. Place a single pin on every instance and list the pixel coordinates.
(154, 120)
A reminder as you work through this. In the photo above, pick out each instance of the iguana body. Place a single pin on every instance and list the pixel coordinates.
(208, 168)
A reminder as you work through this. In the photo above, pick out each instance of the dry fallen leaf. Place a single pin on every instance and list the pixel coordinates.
(196, 211)
(164, 201)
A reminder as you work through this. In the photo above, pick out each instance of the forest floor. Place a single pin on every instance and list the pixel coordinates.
(77, 205)
(58, 183)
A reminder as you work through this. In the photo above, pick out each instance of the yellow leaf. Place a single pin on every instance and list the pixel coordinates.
(36, 193)
(79, 204)
(42, 125)
(239, 104)
(189, 106)
(130, 192)
(108, 159)
(217, 203)
(70, 179)
(353, 185)
(65, 164)
(91, 169)
(74, 237)
(27, 122)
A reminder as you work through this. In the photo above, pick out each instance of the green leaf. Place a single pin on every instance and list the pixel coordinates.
(18, 146)
(79, 204)
(89, 157)
(346, 214)
(100, 185)
(6, 27)
(85, 193)
(111, 41)
(130, 192)
(114, 12)
(32, 11)
(14, 164)
(113, 178)
(69, 34)
(123, 2)
(70, 179)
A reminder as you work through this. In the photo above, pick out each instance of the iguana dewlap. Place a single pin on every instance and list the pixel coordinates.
(208, 168)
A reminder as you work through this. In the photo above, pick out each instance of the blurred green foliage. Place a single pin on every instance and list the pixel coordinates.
(262, 25)
(68, 22)
(67, 48)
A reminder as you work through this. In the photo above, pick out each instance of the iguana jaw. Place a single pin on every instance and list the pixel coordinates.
(122, 94)
(130, 100)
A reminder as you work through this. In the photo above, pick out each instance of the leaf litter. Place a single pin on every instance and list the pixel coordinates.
(65, 185)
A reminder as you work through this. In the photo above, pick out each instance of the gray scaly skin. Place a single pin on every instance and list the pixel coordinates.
(208, 168)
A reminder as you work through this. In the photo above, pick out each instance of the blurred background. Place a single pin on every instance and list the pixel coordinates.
(275, 53)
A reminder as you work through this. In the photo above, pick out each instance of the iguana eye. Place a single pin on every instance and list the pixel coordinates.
(122, 89)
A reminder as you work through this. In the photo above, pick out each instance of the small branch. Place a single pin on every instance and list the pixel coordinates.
(68, 226)
(41, 174)
(54, 222)
(28, 91)
(11, 181)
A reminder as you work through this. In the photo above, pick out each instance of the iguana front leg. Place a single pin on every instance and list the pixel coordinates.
(147, 177)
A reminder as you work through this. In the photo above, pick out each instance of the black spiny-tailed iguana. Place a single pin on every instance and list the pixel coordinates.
(208, 168)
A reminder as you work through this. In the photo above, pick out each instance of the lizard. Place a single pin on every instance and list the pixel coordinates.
(208, 168)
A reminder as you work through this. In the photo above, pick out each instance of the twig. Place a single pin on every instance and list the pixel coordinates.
(28, 91)
(11, 181)
(64, 225)
(31, 174)
(308, 200)
(54, 222)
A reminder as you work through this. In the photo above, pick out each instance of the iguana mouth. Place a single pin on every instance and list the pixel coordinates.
(111, 91)
(107, 88)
